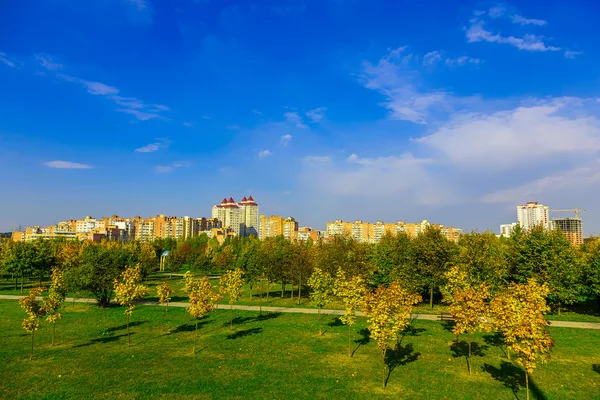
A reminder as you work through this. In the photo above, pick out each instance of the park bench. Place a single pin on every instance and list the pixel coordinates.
(445, 316)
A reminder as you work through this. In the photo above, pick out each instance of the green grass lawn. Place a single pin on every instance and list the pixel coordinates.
(278, 356)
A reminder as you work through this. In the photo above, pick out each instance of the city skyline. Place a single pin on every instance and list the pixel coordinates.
(323, 110)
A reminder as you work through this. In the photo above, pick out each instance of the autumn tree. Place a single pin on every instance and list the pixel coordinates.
(591, 267)
(128, 290)
(231, 284)
(202, 299)
(351, 292)
(321, 285)
(35, 310)
(56, 296)
(470, 312)
(519, 314)
(388, 311)
(484, 258)
(164, 292)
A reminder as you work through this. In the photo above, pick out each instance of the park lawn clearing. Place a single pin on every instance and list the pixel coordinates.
(276, 355)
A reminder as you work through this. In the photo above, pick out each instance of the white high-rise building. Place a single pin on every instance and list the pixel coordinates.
(506, 229)
(533, 214)
(241, 218)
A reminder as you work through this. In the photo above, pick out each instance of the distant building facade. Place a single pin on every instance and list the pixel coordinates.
(533, 214)
(572, 228)
(240, 218)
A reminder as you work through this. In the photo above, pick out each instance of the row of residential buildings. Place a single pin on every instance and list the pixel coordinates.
(535, 214)
(229, 218)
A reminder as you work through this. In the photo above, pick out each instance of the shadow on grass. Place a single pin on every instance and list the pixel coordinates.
(363, 341)
(261, 317)
(461, 349)
(448, 326)
(191, 327)
(335, 322)
(244, 333)
(513, 378)
(132, 324)
(399, 356)
(107, 339)
(596, 367)
(496, 340)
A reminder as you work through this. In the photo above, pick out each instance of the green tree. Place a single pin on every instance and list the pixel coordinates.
(394, 261)
(129, 290)
(484, 258)
(433, 255)
(591, 267)
(321, 285)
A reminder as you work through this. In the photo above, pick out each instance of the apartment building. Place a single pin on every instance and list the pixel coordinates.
(241, 218)
(533, 214)
(365, 232)
(572, 228)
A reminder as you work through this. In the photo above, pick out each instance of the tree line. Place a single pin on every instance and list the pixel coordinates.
(427, 264)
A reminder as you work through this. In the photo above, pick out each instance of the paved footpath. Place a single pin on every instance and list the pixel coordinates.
(430, 317)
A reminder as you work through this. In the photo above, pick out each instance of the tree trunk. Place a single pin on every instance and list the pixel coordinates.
(128, 337)
(53, 331)
(527, 383)
(349, 348)
(268, 290)
(40, 280)
(250, 292)
(17, 286)
(22, 279)
(469, 359)
(508, 352)
(282, 289)
(300, 289)
(231, 316)
(431, 297)
(558, 310)
(32, 341)
(195, 337)
(320, 326)
(167, 308)
(383, 369)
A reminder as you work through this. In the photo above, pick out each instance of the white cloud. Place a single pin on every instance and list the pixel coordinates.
(463, 60)
(572, 54)
(398, 82)
(188, 124)
(66, 165)
(165, 169)
(522, 136)
(317, 114)
(205, 117)
(4, 60)
(161, 143)
(529, 42)
(264, 153)
(294, 118)
(129, 102)
(257, 112)
(353, 158)
(47, 62)
(285, 139)
(140, 115)
(501, 10)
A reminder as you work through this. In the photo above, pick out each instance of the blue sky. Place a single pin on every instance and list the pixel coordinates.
(454, 112)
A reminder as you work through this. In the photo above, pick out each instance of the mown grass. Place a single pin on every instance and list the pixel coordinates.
(275, 356)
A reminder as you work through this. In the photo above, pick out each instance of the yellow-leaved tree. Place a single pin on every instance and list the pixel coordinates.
(519, 315)
(470, 312)
(231, 284)
(128, 290)
(351, 292)
(202, 299)
(456, 278)
(164, 292)
(56, 296)
(321, 285)
(388, 311)
(36, 311)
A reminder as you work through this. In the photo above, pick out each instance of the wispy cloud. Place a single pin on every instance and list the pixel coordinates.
(572, 54)
(60, 164)
(264, 153)
(233, 127)
(140, 4)
(476, 31)
(188, 124)
(257, 112)
(434, 57)
(47, 62)
(285, 139)
(128, 105)
(317, 114)
(165, 169)
(205, 117)
(294, 118)
(161, 143)
(4, 60)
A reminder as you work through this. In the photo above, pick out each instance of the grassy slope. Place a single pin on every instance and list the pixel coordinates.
(277, 357)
